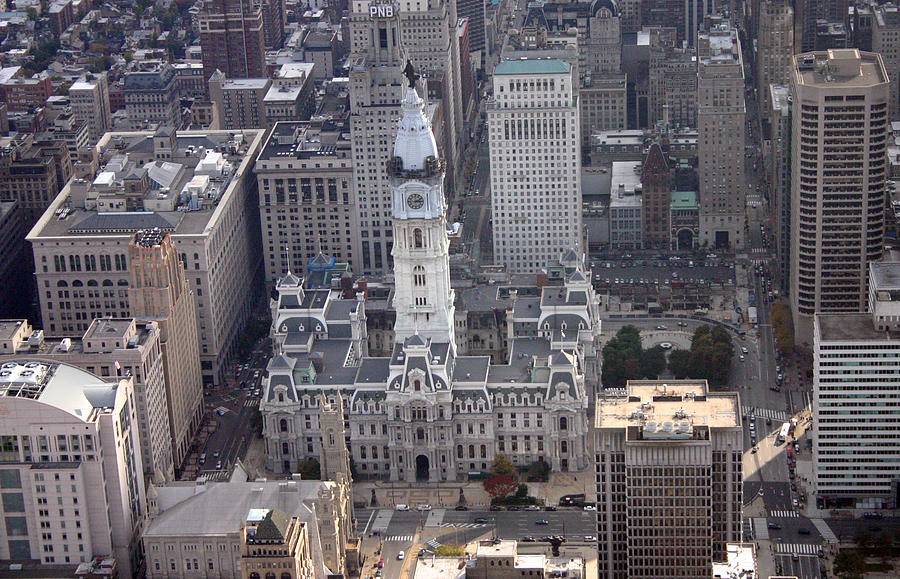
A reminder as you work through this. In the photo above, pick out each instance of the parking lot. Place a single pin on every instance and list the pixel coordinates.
(656, 271)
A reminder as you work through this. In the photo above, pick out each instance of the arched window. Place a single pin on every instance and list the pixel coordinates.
(107, 283)
(285, 576)
(417, 386)
(419, 276)
(563, 423)
(418, 242)
(77, 283)
(282, 425)
(459, 450)
(471, 451)
(270, 575)
(123, 282)
(62, 283)
(281, 396)
(483, 451)
(285, 448)
(254, 575)
(564, 446)
(92, 283)
(420, 433)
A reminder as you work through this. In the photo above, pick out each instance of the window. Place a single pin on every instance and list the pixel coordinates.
(563, 423)
(417, 386)
(419, 276)
(283, 425)
(418, 243)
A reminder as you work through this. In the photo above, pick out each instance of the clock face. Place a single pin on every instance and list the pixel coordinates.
(415, 201)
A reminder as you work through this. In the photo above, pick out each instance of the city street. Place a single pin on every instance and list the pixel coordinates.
(408, 531)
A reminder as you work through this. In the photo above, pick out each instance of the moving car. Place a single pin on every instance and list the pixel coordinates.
(423, 507)
(774, 526)
(401, 507)
(400, 555)
(803, 531)
(481, 520)
(542, 522)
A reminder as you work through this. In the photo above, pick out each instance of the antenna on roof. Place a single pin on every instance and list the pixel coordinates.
(287, 256)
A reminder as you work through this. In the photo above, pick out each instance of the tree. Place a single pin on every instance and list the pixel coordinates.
(500, 485)
(680, 363)
(310, 469)
(653, 362)
(864, 539)
(849, 564)
(622, 357)
(538, 471)
(450, 551)
(502, 465)
(883, 545)
(522, 491)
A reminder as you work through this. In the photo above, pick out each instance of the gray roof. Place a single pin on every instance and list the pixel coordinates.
(528, 308)
(471, 369)
(118, 222)
(373, 370)
(340, 310)
(223, 508)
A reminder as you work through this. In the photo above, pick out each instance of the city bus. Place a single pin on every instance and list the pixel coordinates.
(783, 433)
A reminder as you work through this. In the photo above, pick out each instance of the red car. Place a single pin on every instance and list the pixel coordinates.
(380, 564)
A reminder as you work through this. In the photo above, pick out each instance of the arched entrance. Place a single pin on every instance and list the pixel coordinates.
(685, 240)
(421, 467)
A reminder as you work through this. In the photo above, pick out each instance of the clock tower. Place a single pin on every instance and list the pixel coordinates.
(423, 298)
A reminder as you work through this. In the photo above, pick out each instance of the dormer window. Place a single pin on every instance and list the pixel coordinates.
(417, 385)
(284, 328)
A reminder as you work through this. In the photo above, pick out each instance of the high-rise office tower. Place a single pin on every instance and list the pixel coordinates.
(720, 121)
(669, 478)
(672, 79)
(856, 402)
(656, 193)
(159, 291)
(839, 139)
(778, 167)
(685, 15)
(273, 12)
(474, 11)
(90, 103)
(809, 12)
(428, 33)
(886, 42)
(232, 38)
(377, 60)
(775, 45)
(535, 139)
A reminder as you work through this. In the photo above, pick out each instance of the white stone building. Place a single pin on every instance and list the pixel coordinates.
(534, 132)
(855, 399)
(425, 412)
(71, 473)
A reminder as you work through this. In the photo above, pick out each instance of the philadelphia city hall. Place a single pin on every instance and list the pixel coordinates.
(426, 413)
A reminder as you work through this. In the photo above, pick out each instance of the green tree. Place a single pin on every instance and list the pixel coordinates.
(522, 491)
(653, 362)
(849, 564)
(864, 539)
(450, 551)
(310, 469)
(538, 471)
(502, 465)
(622, 357)
(883, 545)
(681, 364)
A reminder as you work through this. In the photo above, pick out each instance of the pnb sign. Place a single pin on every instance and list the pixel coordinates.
(378, 10)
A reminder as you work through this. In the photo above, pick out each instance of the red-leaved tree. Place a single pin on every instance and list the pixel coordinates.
(500, 485)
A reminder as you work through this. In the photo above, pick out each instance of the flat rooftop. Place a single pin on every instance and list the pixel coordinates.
(843, 67)
(668, 401)
(532, 66)
(59, 385)
(885, 276)
(848, 327)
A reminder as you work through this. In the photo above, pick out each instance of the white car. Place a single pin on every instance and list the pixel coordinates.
(744, 350)
(400, 555)
(423, 507)
(401, 507)
(742, 357)
(590, 508)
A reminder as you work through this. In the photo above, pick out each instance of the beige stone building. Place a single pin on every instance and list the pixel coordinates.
(160, 291)
(111, 347)
(669, 478)
(720, 120)
(201, 530)
(239, 101)
(307, 203)
(839, 140)
(272, 540)
(196, 187)
(90, 103)
(775, 45)
(501, 559)
(604, 104)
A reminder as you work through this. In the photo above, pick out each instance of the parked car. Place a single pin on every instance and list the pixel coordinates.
(529, 540)
(542, 522)
(803, 531)
(423, 507)
(532, 508)
(774, 526)
(461, 508)
(401, 507)
(481, 520)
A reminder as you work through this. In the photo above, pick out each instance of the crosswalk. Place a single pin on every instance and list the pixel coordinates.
(799, 548)
(251, 402)
(779, 415)
(759, 250)
(399, 538)
(763, 261)
(760, 529)
(463, 525)
(826, 531)
(783, 514)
